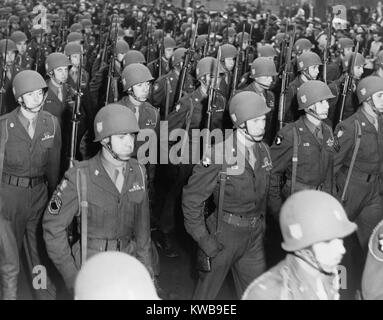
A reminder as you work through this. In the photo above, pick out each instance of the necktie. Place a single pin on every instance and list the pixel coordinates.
(60, 93)
(74, 75)
(119, 178)
(31, 128)
(137, 112)
(376, 125)
(251, 156)
(9, 74)
(318, 134)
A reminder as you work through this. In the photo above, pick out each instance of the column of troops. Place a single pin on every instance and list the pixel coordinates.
(298, 102)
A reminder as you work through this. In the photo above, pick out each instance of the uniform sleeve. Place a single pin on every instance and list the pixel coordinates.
(346, 135)
(59, 214)
(142, 232)
(9, 261)
(281, 156)
(201, 185)
(54, 157)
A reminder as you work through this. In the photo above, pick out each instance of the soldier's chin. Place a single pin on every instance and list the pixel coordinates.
(258, 137)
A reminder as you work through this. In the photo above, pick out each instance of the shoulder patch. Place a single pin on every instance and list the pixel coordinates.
(55, 204)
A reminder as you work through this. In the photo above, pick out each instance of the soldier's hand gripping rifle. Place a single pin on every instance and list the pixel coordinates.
(234, 81)
(285, 81)
(347, 84)
(76, 115)
(188, 58)
(112, 80)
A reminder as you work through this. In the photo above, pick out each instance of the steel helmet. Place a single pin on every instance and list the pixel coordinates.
(18, 36)
(310, 216)
(206, 66)
(347, 60)
(263, 67)
(86, 23)
(368, 86)
(72, 48)
(14, 19)
(114, 275)
(114, 119)
(11, 46)
(344, 43)
(122, 47)
(27, 81)
(246, 37)
(266, 50)
(247, 105)
(228, 51)
(158, 34)
(74, 36)
(169, 42)
(200, 41)
(134, 56)
(311, 92)
(135, 73)
(179, 56)
(302, 44)
(76, 27)
(308, 59)
(56, 60)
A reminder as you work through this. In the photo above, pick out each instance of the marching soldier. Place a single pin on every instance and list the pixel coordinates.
(262, 71)
(31, 144)
(23, 60)
(313, 225)
(167, 84)
(303, 151)
(308, 67)
(38, 50)
(232, 237)
(168, 51)
(8, 54)
(228, 56)
(358, 164)
(9, 261)
(114, 187)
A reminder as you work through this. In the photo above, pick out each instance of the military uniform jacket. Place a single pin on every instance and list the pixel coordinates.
(160, 89)
(245, 191)
(56, 107)
(288, 281)
(315, 159)
(9, 261)
(26, 157)
(372, 280)
(111, 215)
(291, 105)
(370, 154)
(154, 66)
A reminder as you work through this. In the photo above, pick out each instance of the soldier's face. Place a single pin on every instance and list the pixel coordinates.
(120, 56)
(265, 80)
(123, 145)
(321, 109)
(10, 57)
(358, 71)
(60, 74)
(21, 47)
(377, 99)
(229, 63)
(313, 71)
(329, 254)
(75, 59)
(33, 100)
(169, 53)
(141, 91)
(256, 127)
(347, 50)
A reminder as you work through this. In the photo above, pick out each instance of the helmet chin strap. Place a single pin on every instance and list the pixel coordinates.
(246, 130)
(133, 95)
(374, 108)
(262, 85)
(108, 147)
(307, 75)
(312, 261)
(38, 108)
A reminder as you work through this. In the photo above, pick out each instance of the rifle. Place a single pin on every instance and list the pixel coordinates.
(266, 29)
(215, 36)
(211, 96)
(246, 64)
(111, 76)
(160, 48)
(285, 80)
(207, 42)
(4, 73)
(149, 37)
(103, 55)
(167, 98)
(236, 67)
(188, 57)
(348, 81)
(364, 50)
(38, 55)
(76, 117)
(326, 52)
